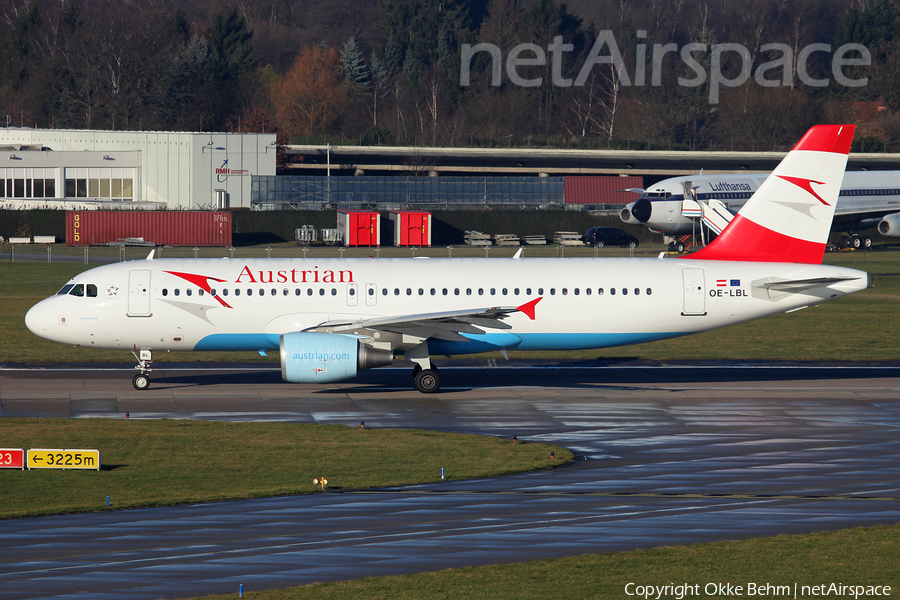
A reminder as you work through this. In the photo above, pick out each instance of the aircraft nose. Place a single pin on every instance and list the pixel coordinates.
(642, 209)
(36, 320)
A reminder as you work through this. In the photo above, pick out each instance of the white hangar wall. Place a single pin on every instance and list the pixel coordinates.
(175, 170)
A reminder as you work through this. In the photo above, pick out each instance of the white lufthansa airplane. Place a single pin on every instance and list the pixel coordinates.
(697, 204)
(330, 318)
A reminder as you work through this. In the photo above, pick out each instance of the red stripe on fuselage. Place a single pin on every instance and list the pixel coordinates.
(202, 282)
(745, 240)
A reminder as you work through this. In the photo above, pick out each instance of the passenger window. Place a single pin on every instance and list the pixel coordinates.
(552, 291)
(481, 291)
(296, 291)
(237, 292)
(200, 292)
(409, 291)
(587, 291)
(79, 292)
(516, 291)
(321, 291)
(527, 291)
(577, 291)
(92, 290)
(565, 292)
(433, 292)
(624, 291)
(177, 291)
(384, 291)
(225, 292)
(274, 292)
(371, 291)
(540, 291)
(493, 291)
(334, 291)
(599, 291)
(284, 292)
(396, 291)
(444, 291)
(188, 291)
(503, 291)
(637, 291)
(309, 292)
(421, 292)
(649, 291)
(612, 291)
(468, 292)
(212, 291)
(352, 292)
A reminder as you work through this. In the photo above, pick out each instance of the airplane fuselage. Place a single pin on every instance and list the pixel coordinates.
(246, 304)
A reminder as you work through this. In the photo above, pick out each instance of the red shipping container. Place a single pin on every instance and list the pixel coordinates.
(359, 227)
(170, 228)
(587, 189)
(411, 227)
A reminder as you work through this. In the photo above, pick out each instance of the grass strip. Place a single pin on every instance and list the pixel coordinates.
(866, 556)
(165, 462)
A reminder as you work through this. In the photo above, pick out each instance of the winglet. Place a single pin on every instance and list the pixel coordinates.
(528, 307)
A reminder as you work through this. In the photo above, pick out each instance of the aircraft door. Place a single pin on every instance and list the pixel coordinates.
(139, 293)
(694, 292)
(352, 294)
(371, 294)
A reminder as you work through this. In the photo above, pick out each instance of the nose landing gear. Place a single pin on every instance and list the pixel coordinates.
(141, 381)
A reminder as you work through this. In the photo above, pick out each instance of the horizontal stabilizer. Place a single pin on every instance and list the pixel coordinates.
(798, 285)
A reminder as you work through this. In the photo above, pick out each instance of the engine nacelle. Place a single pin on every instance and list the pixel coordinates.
(890, 225)
(323, 357)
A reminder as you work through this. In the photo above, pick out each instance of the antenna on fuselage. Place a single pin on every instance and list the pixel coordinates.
(150, 256)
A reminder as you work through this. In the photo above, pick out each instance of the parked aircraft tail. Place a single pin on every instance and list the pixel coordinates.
(788, 219)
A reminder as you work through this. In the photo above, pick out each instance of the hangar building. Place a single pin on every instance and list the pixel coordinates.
(84, 169)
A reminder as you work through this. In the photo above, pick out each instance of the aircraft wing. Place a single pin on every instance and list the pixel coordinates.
(447, 325)
(853, 214)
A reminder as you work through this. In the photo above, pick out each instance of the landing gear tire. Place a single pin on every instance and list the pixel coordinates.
(679, 248)
(428, 381)
(140, 382)
(866, 242)
(855, 243)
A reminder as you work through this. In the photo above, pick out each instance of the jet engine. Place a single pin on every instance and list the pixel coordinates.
(890, 225)
(323, 357)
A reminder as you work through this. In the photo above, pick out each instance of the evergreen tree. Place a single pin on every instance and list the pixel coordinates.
(353, 66)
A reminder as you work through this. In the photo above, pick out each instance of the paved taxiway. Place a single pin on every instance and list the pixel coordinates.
(671, 455)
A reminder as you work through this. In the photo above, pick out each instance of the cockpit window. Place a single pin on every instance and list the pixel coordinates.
(91, 290)
(77, 290)
(65, 289)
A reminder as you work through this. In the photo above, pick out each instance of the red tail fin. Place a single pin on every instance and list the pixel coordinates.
(789, 217)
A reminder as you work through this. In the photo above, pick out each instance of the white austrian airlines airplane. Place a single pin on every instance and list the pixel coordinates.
(330, 318)
(676, 206)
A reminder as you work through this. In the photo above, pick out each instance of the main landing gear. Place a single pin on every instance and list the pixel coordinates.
(425, 375)
(855, 241)
(427, 381)
(141, 381)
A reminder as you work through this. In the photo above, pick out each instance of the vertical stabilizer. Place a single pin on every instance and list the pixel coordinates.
(788, 219)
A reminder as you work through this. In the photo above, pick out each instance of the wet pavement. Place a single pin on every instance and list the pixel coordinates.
(669, 455)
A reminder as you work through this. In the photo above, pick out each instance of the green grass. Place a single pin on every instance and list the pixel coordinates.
(158, 463)
(851, 328)
(851, 557)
